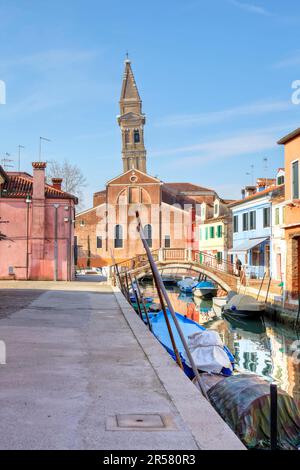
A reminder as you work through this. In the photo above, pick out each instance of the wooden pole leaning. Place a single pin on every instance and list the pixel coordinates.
(170, 307)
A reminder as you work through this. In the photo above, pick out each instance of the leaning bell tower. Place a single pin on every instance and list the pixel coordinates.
(131, 122)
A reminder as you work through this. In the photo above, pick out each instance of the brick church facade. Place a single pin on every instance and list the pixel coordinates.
(168, 210)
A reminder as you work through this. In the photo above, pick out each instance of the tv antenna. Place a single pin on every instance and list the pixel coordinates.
(6, 161)
(251, 174)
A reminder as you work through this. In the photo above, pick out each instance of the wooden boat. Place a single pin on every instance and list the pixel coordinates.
(244, 306)
(205, 289)
(189, 328)
(243, 401)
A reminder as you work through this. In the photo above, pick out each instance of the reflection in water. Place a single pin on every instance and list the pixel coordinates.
(259, 346)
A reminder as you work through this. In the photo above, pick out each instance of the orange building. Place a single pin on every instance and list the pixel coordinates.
(291, 226)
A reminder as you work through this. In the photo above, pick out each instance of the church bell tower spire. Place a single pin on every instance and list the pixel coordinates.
(131, 122)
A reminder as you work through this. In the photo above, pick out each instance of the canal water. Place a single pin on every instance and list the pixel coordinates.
(261, 346)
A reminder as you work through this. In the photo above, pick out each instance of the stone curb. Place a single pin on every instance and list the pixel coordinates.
(209, 431)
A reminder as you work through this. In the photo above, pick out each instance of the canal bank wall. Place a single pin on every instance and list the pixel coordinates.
(275, 310)
(209, 430)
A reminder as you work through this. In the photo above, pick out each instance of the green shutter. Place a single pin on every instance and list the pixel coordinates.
(295, 181)
(219, 231)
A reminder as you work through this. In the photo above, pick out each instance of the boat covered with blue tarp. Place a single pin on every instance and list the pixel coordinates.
(190, 330)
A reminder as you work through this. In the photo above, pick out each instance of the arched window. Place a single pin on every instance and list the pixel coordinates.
(118, 236)
(127, 136)
(148, 234)
(136, 136)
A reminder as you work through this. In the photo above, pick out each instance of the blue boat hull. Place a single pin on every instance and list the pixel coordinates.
(160, 331)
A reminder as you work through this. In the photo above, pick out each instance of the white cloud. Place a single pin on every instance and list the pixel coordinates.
(251, 8)
(292, 61)
(257, 108)
(246, 143)
(51, 58)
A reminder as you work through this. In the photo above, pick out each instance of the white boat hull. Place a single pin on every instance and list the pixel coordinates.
(204, 292)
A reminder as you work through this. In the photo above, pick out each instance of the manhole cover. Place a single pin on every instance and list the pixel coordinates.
(141, 422)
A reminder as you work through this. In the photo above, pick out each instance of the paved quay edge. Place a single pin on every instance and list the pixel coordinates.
(214, 433)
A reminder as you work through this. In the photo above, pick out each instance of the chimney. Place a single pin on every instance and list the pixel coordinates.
(39, 180)
(243, 193)
(56, 183)
(250, 190)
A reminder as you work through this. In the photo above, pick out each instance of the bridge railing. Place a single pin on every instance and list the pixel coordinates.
(164, 255)
(178, 254)
(136, 262)
(212, 262)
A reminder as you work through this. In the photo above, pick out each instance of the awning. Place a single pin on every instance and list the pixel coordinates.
(247, 245)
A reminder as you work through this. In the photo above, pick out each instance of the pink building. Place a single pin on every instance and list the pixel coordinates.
(36, 227)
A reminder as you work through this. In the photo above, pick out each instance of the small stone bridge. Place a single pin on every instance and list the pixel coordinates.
(184, 262)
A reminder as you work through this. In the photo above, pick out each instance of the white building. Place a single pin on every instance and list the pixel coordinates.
(278, 243)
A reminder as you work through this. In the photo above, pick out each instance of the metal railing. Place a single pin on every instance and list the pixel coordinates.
(211, 262)
(126, 283)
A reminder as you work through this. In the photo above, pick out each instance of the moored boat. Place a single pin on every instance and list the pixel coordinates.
(169, 281)
(187, 285)
(243, 401)
(205, 289)
(218, 304)
(208, 351)
(244, 306)
(220, 301)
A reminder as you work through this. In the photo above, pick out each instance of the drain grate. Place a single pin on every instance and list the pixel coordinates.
(140, 422)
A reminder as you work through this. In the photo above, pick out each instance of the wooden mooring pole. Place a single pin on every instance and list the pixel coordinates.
(273, 416)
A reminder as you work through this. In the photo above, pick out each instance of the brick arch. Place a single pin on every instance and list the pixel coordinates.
(122, 194)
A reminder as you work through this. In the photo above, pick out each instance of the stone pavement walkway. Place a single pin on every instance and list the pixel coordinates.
(77, 357)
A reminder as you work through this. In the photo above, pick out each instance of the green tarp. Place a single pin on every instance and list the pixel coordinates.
(243, 401)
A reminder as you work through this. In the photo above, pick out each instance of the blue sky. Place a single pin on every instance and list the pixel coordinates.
(214, 76)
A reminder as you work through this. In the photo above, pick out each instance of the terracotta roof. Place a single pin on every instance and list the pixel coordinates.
(100, 192)
(227, 201)
(288, 137)
(186, 187)
(20, 185)
(257, 195)
(211, 220)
